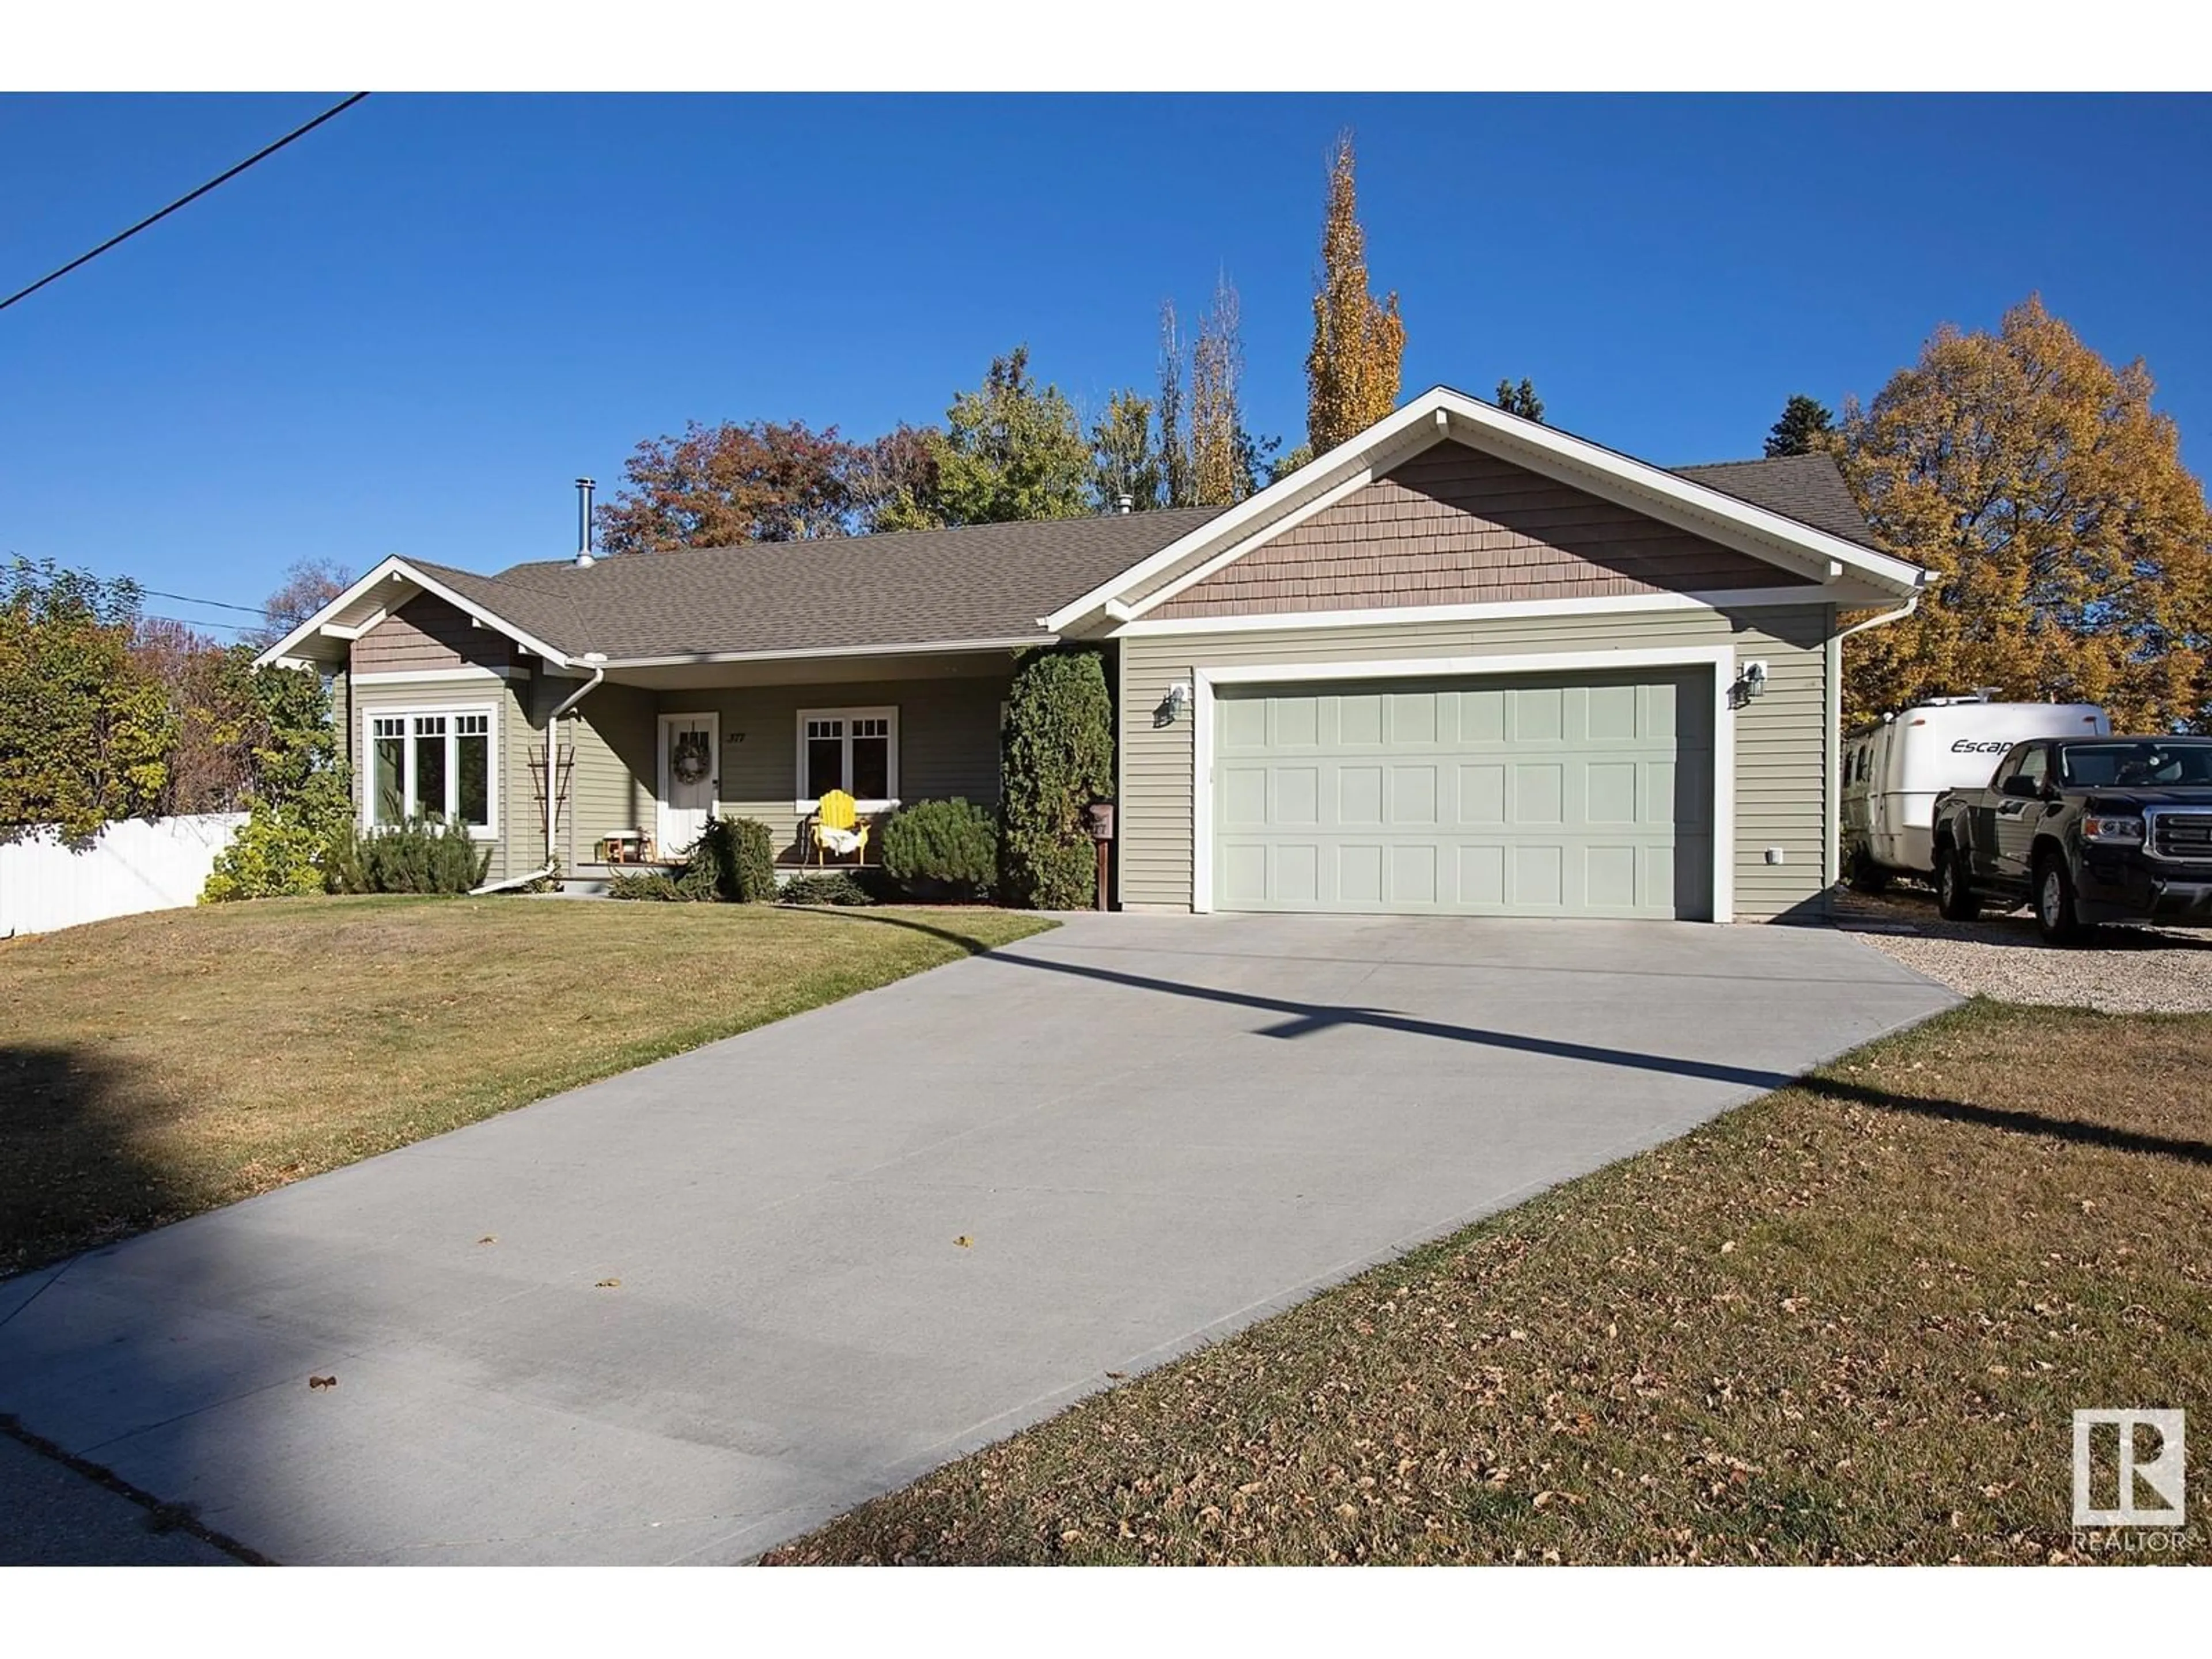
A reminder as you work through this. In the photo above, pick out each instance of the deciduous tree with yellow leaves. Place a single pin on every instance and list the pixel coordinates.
(2070, 550)
(1352, 371)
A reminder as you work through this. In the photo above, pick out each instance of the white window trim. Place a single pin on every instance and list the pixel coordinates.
(486, 831)
(807, 804)
(1720, 658)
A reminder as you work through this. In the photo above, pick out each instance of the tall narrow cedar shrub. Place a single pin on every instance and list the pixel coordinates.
(1058, 759)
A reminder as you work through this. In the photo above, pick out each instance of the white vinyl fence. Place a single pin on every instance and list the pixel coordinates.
(134, 866)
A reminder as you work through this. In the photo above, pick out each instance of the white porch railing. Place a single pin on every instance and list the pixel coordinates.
(132, 867)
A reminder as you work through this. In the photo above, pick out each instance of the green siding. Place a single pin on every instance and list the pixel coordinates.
(612, 735)
(1781, 738)
(948, 740)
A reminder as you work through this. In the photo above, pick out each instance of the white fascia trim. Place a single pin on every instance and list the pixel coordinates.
(354, 630)
(1720, 658)
(807, 653)
(436, 676)
(1479, 611)
(1436, 410)
(396, 566)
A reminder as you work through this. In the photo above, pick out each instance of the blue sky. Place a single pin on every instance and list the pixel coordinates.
(410, 331)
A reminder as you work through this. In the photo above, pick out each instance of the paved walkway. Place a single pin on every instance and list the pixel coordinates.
(685, 1313)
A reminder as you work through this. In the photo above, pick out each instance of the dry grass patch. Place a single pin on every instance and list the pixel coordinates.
(162, 1065)
(1848, 1322)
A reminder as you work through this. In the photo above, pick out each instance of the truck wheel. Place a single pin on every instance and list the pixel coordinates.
(1865, 875)
(1954, 894)
(2057, 917)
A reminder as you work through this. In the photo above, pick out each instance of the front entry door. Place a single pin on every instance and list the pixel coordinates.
(690, 767)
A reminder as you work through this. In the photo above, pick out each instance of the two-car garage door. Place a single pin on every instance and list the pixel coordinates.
(1589, 794)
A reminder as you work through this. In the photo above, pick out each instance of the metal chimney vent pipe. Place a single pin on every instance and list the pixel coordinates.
(1125, 501)
(584, 559)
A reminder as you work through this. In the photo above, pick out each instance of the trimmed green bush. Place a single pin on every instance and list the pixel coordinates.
(1058, 758)
(415, 856)
(644, 884)
(942, 849)
(834, 888)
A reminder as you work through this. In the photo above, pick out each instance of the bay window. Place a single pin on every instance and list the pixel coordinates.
(854, 750)
(430, 764)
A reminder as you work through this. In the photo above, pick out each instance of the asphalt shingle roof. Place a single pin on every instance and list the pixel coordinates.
(915, 588)
(1806, 488)
(930, 586)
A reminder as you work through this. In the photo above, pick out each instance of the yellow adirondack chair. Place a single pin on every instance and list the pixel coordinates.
(839, 827)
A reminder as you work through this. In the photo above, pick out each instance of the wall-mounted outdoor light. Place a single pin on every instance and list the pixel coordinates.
(1750, 682)
(1173, 705)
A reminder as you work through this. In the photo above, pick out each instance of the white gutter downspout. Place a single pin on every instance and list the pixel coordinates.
(1832, 851)
(1886, 616)
(597, 660)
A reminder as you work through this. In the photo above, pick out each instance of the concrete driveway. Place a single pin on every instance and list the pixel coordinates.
(687, 1313)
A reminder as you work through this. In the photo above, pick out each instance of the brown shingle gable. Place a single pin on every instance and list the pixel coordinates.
(1456, 525)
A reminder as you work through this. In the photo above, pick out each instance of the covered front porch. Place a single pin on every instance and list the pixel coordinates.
(650, 753)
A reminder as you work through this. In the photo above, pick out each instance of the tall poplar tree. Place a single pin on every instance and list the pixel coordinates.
(1220, 461)
(1175, 454)
(1352, 370)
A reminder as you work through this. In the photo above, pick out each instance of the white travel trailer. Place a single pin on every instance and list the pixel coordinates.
(1893, 773)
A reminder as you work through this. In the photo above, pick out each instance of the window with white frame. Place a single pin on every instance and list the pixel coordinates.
(854, 750)
(430, 763)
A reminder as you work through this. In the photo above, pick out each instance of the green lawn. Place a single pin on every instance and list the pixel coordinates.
(157, 1066)
(1848, 1322)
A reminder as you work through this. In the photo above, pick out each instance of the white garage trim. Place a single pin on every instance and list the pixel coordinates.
(1720, 658)
(1603, 605)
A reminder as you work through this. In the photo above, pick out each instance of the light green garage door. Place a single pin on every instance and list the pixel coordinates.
(1588, 795)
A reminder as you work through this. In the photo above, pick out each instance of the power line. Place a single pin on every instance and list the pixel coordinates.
(194, 622)
(182, 201)
(219, 604)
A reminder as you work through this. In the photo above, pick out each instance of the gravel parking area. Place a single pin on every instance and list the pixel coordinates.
(2130, 971)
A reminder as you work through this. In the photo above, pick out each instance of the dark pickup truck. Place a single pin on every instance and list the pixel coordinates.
(2088, 830)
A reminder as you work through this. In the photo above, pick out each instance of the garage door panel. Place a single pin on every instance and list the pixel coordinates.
(1559, 797)
(1413, 797)
(1482, 794)
(1538, 795)
(1298, 794)
(1297, 873)
(1609, 792)
(1360, 874)
(1244, 798)
(1412, 718)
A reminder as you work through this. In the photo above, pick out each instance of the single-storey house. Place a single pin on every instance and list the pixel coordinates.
(1464, 663)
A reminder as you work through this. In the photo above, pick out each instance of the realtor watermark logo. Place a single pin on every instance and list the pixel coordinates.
(2136, 1458)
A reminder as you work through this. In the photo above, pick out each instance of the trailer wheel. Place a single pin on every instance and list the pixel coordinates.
(1864, 875)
